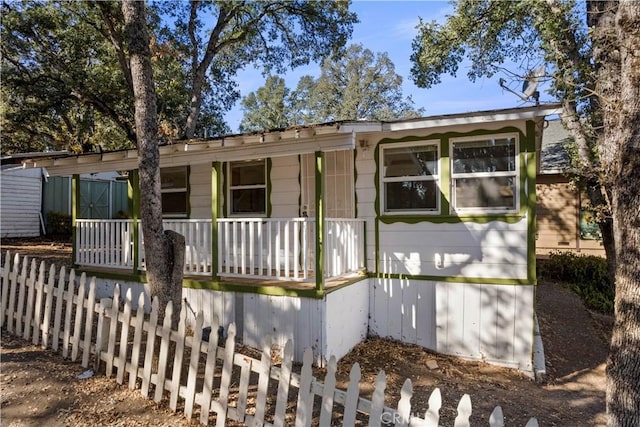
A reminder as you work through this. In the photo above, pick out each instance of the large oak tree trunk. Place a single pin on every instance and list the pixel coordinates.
(164, 250)
(623, 166)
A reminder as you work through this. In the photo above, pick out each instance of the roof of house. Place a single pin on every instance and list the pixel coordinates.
(554, 157)
(295, 140)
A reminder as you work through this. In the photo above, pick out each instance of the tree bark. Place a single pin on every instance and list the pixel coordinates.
(601, 15)
(164, 250)
(623, 170)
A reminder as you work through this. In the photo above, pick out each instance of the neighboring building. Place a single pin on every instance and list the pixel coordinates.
(563, 223)
(421, 230)
(20, 201)
(29, 195)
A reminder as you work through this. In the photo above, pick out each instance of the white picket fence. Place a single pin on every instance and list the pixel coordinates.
(211, 379)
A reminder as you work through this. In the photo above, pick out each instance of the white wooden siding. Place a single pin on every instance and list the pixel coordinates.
(20, 203)
(478, 321)
(200, 191)
(346, 327)
(285, 188)
(493, 250)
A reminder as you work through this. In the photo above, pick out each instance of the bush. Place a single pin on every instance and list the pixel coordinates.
(58, 223)
(586, 275)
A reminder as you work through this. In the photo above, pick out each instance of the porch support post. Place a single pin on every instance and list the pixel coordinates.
(134, 207)
(216, 190)
(320, 212)
(75, 211)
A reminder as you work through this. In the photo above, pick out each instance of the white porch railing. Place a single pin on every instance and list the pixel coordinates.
(261, 248)
(104, 243)
(343, 246)
(198, 245)
(266, 248)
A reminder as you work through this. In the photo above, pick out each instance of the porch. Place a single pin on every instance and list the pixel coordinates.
(256, 250)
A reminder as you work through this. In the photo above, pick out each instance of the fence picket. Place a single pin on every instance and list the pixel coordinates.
(102, 334)
(177, 360)
(13, 279)
(121, 360)
(532, 423)
(138, 326)
(283, 385)
(353, 392)
(88, 327)
(24, 320)
(113, 330)
(404, 405)
(377, 400)
(67, 316)
(37, 315)
(150, 349)
(326, 408)
(75, 339)
(497, 418)
(165, 334)
(193, 366)
(46, 321)
(305, 397)
(464, 412)
(225, 381)
(209, 372)
(4, 288)
(432, 416)
(57, 317)
(263, 382)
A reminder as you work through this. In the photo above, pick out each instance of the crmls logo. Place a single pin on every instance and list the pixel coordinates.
(395, 418)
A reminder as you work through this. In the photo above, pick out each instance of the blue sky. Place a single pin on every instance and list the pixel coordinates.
(389, 26)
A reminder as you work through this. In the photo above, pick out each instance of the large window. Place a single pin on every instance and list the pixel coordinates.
(484, 174)
(248, 187)
(174, 192)
(410, 178)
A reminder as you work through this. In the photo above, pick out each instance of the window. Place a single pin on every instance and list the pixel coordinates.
(248, 187)
(410, 178)
(173, 184)
(484, 174)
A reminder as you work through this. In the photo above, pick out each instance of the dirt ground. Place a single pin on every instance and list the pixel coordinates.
(38, 387)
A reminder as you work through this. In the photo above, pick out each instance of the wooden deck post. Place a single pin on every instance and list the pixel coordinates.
(320, 214)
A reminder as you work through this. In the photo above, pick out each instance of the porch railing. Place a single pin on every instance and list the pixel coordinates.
(197, 239)
(261, 248)
(266, 248)
(104, 243)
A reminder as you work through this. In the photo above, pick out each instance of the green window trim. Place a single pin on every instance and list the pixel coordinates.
(169, 192)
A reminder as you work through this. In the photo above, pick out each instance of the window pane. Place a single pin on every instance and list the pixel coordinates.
(490, 192)
(493, 155)
(250, 200)
(411, 161)
(247, 173)
(173, 177)
(411, 195)
(174, 203)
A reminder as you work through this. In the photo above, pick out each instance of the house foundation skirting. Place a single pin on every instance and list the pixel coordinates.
(489, 322)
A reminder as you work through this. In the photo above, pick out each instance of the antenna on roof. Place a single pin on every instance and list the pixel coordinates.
(529, 85)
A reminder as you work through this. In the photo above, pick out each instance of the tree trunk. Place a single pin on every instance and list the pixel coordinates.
(601, 15)
(164, 250)
(623, 168)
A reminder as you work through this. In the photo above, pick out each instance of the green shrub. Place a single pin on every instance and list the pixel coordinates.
(58, 223)
(586, 275)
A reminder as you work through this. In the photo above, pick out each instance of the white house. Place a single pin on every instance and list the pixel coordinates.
(421, 230)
